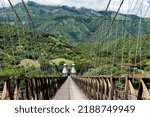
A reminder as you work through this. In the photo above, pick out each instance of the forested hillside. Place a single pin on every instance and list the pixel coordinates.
(120, 56)
(71, 23)
(63, 34)
(28, 52)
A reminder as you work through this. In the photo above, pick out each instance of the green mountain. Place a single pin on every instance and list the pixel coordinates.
(28, 52)
(23, 50)
(71, 23)
(120, 56)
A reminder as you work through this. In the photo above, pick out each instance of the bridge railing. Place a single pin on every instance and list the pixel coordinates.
(26, 88)
(115, 87)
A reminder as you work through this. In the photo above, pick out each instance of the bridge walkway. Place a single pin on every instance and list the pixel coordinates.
(70, 91)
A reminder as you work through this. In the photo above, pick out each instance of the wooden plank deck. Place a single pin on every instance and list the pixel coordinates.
(70, 91)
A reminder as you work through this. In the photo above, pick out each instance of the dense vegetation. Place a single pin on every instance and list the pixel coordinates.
(120, 56)
(27, 52)
(71, 23)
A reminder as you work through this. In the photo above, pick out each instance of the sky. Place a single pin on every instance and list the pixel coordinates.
(129, 6)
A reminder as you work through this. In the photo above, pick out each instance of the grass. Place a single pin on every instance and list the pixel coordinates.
(58, 60)
(26, 63)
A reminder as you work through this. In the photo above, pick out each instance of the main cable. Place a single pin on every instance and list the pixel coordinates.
(28, 13)
(111, 24)
(101, 23)
(16, 13)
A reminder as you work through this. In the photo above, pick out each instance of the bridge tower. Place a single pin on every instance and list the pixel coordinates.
(73, 70)
(65, 71)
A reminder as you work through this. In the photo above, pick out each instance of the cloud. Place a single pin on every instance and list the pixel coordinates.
(129, 6)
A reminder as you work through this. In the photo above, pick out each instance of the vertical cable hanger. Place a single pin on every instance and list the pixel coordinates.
(124, 36)
(18, 34)
(35, 35)
(130, 45)
(127, 23)
(20, 23)
(103, 63)
(138, 40)
(108, 31)
(102, 20)
(107, 45)
(99, 28)
(123, 42)
(111, 24)
(114, 44)
(129, 40)
(95, 35)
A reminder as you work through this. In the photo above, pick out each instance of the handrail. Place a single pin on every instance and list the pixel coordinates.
(114, 87)
(30, 88)
(121, 76)
(23, 77)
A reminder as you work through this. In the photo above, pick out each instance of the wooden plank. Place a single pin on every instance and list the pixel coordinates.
(105, 89)
(4, 92)
(100, 89)
(41, 88)
(111, 89)
(109, 84)
(10, 90)
(93, 88)
(27, 89)
(97, 90)
(127, 87)
(122, 76)
(7, 91)
(132, 90)
(140, 91)
(4, 78)
(89, 87)
(137, 76)
(46, 89)
(37, 89)
(31, 89)
(70, 91)
(146, 93)
(23, 77)
(17, 88)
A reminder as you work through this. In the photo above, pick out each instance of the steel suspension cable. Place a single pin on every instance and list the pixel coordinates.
(102, 20)
(28, 14)
(138, 43)
(111, 24)
(99, 28)
(16, 13)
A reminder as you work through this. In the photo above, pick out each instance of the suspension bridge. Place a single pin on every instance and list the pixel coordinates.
(131, 86)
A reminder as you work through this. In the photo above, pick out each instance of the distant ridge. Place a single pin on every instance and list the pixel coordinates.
(71, 23)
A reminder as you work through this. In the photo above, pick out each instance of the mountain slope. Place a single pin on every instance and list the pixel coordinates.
(71, 23)
(26, 52)
(119, 56)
